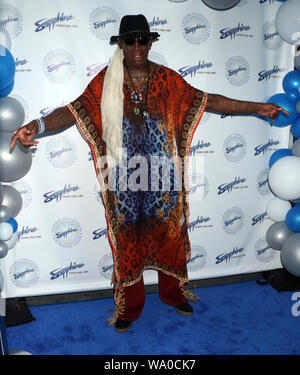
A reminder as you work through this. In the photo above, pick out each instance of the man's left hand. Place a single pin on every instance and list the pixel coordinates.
(270, 110)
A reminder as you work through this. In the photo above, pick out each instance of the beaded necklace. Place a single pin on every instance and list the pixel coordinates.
(136, 96)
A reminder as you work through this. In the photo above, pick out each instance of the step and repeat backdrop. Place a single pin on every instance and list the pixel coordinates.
(58, 48)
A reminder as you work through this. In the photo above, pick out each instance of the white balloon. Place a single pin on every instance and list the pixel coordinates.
(6, 231)
(277, 209)
(287, 21)
(284, 178)
(13, 241)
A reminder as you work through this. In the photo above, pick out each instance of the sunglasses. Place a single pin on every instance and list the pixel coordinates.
(142, 40)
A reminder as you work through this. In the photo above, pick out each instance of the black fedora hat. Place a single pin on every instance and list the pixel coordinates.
(133, 26)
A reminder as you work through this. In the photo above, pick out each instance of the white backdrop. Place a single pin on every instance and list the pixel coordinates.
(59, 46)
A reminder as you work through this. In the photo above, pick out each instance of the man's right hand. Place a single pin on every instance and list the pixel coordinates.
(25, 135)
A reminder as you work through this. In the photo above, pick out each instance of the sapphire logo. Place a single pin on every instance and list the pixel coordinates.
(61, 152)
(234, 147)
(200, 222)
(191, 71)
(229, 186)
(236, 254)
(104, 22)
(50, 23)
(271, 38)
(70, 269)
(158, 58)
(46, 111)
(237, 70)
(225, 115)
(198, 259)
(98, 233)
(66, 232)
(28, 233)
(57, 195)
(95, 68)
(263, 251)
(258, 219)
(233, 220)
(59, 66)
(267, 74)
(201, 147)
(195, 28)
(262, 149)
(266, 1)
(160, 25)
(262, 184)
(156, 21)
(106, 266)
(22, 65)
(97, 193)
(11, 19)
(232, 32)
(24, 273)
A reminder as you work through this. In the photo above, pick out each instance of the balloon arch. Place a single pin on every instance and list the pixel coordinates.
(15, 164)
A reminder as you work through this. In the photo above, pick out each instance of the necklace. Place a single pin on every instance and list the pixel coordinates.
(137, 97)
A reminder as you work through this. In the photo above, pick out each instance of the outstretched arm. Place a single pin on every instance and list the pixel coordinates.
(222, 104)
(59, 119)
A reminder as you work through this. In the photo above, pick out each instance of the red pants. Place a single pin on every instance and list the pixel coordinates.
(169, 292)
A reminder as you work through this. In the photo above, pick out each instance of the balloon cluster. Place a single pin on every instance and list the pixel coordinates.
(14, 163)
(284, 164)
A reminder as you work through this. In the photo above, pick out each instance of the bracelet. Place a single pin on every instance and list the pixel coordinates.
(41, 123)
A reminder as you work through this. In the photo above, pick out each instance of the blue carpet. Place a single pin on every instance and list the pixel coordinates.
(235, 319)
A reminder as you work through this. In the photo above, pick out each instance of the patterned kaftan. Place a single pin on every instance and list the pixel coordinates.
(147, 220)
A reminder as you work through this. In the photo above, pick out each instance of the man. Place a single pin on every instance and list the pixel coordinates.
(133, 113)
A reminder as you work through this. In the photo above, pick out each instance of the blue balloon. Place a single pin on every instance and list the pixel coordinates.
(295, 128)
(13, 223)
(7, 90)
(283, 101)
(293, 219)
(293, 95)
(291, 81)
(278, 154)
(7, 67)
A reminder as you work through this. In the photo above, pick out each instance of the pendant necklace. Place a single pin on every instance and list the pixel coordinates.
(137, 97)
